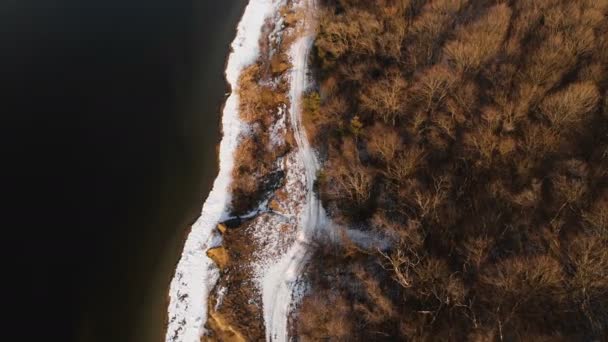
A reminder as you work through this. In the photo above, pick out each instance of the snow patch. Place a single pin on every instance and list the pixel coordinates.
(220, 297)
(278, 128)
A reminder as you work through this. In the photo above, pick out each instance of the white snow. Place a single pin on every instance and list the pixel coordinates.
(220, 297)
(278, 129)
(274, 232)
(196, 274)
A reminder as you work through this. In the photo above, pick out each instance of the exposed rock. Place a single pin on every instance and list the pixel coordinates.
(275, 206)
(222, 228)
(220, 256)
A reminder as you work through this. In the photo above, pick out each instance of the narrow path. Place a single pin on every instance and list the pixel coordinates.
(280, 283)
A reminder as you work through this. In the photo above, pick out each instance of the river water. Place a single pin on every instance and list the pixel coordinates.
(112, 118)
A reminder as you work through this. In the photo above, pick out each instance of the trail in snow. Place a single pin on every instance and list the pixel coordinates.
(280, 282)
(196, 274)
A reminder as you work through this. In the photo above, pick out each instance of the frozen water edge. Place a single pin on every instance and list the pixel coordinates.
(196, 274)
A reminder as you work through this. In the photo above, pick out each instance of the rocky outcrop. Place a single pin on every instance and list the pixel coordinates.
(222, 228)
(220, 256)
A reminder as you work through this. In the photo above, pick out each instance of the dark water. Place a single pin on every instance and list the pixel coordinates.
(110, 120)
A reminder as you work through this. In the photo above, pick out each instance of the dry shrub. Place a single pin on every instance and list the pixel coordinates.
(478, 43)
(279, 63)
(246, 155)
(254, 162)
(248, 93)
(572, 105)
(257, 102)
(244, 176)
(528, 97)
(401, 262)
(356, 72)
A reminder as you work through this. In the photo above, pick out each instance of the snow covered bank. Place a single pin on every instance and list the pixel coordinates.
(196, 274)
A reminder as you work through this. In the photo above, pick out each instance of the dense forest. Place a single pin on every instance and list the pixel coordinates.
(473, 135)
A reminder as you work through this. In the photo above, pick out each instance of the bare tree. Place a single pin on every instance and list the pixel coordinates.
(476, 44)
(429, 28)
(589, 285)
(433, 86)
(572, 105)
(401, 168)
(383, 142)
(349, 180)
(386, 97)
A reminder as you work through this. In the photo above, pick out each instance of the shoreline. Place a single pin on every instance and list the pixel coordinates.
(260, 279)
(219, 109)
(195, 272)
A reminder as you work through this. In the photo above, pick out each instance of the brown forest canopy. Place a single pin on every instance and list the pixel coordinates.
(474, 134)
